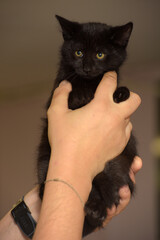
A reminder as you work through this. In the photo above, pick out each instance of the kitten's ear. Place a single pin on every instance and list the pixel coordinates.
(68, 28)
(120, 35)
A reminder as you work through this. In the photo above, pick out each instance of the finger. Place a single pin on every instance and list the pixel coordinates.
(128, 130)
(111, 212)
(125, 196)
(107, 86)
(124, 193)
(132, 176)
(136, 165)
(130, 105)
(60, 96)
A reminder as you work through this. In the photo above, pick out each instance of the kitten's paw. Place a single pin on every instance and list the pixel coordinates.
(95, 213)
(121, 94)
(116, 199)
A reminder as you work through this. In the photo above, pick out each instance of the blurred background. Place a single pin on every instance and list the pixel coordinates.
(29, 54)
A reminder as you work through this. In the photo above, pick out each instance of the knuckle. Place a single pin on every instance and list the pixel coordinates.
(110, 78)
(130, 126)
(57, 91)
(111, 75)
(51, 111)
(63, 89)
(136, 98)
(138, 164)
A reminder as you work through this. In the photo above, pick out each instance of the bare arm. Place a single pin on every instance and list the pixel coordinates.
(62, 214)
(8, 228)
(10, 231)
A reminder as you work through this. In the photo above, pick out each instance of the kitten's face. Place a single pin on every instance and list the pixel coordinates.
(92, 49)
(88, 54)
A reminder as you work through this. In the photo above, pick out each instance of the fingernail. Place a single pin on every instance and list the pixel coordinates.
(112, 73)
(124, 189)
(64, 82)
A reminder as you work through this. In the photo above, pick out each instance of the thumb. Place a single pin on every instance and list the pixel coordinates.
(60, 97)
(130, 105)
(107, 86)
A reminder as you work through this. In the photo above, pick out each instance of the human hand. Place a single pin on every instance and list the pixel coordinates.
(125, 194)
(94, 134)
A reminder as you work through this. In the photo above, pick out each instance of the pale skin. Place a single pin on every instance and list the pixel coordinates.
(62, 215)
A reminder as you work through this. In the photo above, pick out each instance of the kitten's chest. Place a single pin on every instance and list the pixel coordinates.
(83, 90)
(82, 93)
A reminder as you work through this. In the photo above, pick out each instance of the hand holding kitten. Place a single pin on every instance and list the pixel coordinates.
(102, 126)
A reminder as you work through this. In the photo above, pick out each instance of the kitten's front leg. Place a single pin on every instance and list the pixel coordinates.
(95, 210)
(102, 196)
(105, 192)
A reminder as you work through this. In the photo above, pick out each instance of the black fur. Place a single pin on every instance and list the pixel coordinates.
(85, 73)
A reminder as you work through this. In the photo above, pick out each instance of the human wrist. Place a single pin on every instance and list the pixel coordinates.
(72, 174)
(33, 202)
(9, 229)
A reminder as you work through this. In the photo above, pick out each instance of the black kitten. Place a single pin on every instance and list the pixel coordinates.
(89, 50)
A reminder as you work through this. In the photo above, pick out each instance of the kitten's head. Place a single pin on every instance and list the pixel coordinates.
(92, 49)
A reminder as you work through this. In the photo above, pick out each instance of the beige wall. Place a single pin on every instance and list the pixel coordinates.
(30, 42)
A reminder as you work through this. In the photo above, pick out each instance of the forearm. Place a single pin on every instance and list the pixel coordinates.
(9, 229)
(62, 213)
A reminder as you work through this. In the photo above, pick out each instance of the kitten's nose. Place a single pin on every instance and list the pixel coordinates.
(87, 69)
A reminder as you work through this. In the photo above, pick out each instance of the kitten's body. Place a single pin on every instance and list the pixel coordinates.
(85, 73)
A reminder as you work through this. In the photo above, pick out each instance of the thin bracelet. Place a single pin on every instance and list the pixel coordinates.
(69, 185)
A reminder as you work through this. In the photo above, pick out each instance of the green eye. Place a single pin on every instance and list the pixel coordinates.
(79, 53)
(100, 55)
